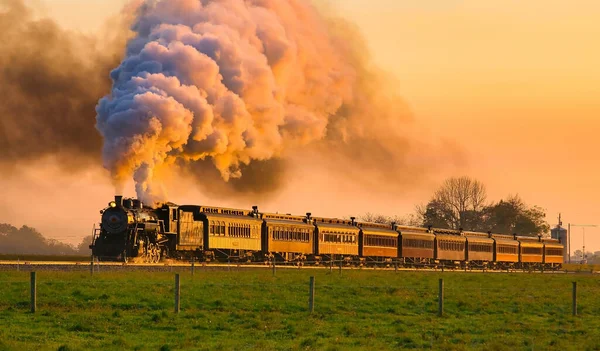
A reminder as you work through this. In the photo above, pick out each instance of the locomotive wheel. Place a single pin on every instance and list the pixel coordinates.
(152, 254)
(144, 257)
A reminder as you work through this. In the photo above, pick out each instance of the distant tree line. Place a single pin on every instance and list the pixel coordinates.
(589, 257)
(27, 240)
(461, 203)
(411, 219)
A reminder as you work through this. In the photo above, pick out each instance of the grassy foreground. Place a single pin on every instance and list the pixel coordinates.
(252, 310)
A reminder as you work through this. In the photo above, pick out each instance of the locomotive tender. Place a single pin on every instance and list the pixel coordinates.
(131, 231)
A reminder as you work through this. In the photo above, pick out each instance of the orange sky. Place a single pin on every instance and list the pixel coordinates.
(516, 84)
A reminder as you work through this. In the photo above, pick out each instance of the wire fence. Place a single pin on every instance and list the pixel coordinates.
(292, 292)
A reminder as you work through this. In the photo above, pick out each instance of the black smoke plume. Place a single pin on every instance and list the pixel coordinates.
(50, 82)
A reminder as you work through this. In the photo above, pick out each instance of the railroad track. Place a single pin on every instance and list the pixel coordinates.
(11, 265)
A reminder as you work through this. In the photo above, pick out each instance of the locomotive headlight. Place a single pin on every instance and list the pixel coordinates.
(112, 204)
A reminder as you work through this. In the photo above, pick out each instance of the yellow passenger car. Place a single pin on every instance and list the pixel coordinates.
(336, 240)
(416, 246)
(287, 238)
(531, 252)
(228, 234)
(506, 251)
(480, 249)
(378, 242)
(554, 253)
(450, 248)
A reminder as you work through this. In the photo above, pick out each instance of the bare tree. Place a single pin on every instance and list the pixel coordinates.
(414, 220)
(375, 218)
(410, 219)
(460, 201)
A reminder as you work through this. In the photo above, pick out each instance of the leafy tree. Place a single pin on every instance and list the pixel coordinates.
(514, 216)
(436, 214)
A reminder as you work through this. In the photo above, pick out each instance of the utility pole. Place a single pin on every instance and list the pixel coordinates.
(583, 250)
(569, 234)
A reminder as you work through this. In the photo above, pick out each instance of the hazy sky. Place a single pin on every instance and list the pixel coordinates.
(516, 83)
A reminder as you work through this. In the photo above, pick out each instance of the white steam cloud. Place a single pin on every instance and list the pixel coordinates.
(234, 81)
(237, 81)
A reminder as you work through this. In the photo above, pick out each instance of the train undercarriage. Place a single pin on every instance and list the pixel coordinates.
(153, 253)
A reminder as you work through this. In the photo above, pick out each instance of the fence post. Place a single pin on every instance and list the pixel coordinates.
(177, 293)
(92, 266)
(33, 293)
(193, 262)
(441, 298)
(274, 267)
(396, 267)
(340, 267)
(311, 295)
(331, 265)
(574, 298)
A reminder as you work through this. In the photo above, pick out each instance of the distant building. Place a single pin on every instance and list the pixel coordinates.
(562, 235)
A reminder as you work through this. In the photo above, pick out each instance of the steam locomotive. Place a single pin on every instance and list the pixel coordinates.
(130, 231)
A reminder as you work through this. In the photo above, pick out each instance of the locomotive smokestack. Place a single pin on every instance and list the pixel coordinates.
(352, 219)
(119, 200)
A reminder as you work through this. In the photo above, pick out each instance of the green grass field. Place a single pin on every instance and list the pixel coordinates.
(252, 310)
